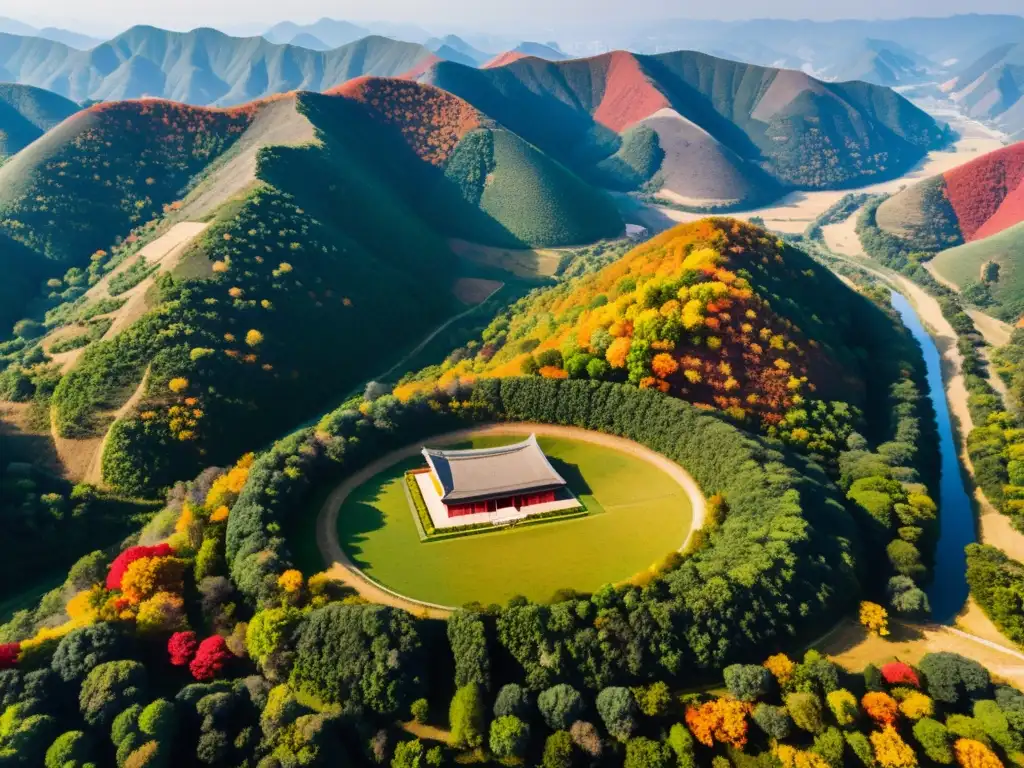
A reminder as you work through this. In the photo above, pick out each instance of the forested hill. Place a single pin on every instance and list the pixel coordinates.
(732, 131)
(26, 113)
(718, 313)
(119, 167)
(329, 211)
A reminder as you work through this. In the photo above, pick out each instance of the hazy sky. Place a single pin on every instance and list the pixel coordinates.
(104, 16)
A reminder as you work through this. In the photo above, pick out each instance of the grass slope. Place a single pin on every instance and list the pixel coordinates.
(638, 515)
(970, 202)
(1004, 288)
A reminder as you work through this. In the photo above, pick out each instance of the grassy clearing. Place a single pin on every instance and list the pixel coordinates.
(638, 514)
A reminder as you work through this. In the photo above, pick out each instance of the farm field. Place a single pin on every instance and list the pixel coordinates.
(638, 515)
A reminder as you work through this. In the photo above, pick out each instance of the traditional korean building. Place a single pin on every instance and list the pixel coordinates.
(478, 481)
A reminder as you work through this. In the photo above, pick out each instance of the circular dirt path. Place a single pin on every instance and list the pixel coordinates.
(342, 569)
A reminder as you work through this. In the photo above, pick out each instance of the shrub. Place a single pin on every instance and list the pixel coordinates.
(409, 754)
(560, 706)
(948, 676)
(880, 707)
(974, 754)
(681, 743)
(359, 655)
(130, 555)
(512, 699)
(70, 749)
(466, 717)
(916, 705)
(774, 721)
(898, 673)
(586, 737)
(642, 752)
(468, 641)
(110, 688)
(81, 650)
(891, 751)
(653, 700)
(509, 738)
(211, 657)
(805, 709)
(558, 751)
(748, 682)
(182, 648)
(420, 711)
(844, 707)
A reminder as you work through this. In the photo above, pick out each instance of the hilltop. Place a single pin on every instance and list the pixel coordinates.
(26, 113)
(717, 313)
(696, 130)
(968, 203)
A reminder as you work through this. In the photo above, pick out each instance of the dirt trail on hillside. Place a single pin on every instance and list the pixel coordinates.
(82, 458)
(165, 252)
(94, 474)
(342, 569)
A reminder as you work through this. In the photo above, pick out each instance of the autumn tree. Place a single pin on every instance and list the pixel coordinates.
(891, 751)
(874, 618)
(182, 648)
(210, 659)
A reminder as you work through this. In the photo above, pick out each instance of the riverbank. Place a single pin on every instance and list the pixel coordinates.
(992, 527)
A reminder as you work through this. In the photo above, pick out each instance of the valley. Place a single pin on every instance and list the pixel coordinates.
(797, 210)
(378, 402)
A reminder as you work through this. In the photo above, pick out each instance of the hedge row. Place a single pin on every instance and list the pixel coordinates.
(785, 551)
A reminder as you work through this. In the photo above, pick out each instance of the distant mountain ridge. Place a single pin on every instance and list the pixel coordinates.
(992, 88)
(201, 67)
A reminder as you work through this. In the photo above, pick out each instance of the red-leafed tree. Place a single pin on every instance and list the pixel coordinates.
(182, 648)
(898, 673)
(129, 556)
(9, 653)
(210, 659)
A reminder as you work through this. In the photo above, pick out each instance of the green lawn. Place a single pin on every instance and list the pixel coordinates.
(639, 514)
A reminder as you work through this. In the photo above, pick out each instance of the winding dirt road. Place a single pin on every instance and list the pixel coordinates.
(342, 569)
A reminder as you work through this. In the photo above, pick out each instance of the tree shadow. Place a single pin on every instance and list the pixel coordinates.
(355, 521)
(572, 476)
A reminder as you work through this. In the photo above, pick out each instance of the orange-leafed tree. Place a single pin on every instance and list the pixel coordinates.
(973, 754)
(881, 707)
(721, 720)
(149, 575)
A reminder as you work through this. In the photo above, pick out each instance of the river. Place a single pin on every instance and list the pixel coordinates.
(948, 590)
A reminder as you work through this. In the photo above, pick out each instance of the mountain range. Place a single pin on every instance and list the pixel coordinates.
(696, 130)
(514, 156)
(68, 37)
(992, 88)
